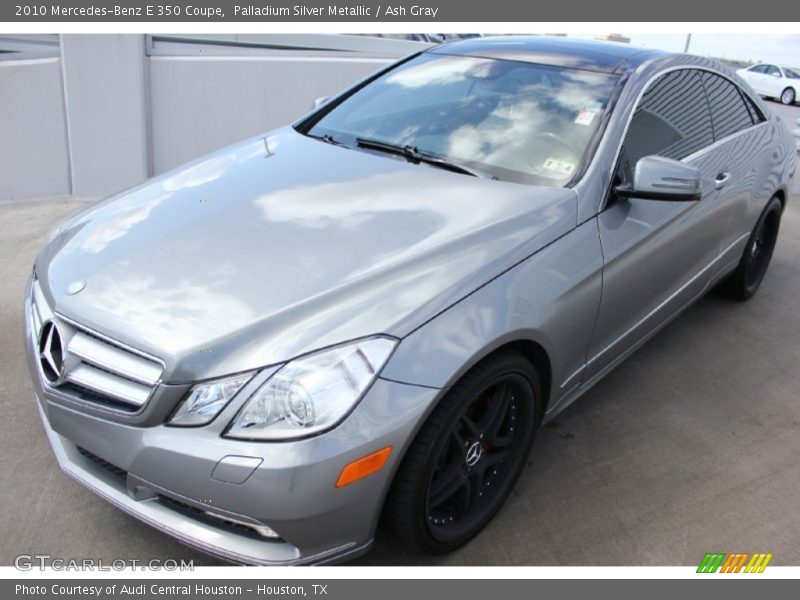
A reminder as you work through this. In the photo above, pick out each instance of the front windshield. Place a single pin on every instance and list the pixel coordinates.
(512, 120)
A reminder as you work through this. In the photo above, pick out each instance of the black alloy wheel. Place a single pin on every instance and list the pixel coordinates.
(467, 457)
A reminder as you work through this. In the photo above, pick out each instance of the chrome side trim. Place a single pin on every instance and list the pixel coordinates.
(720, 142)
(579, 390)
(669, 299)
(569, 379)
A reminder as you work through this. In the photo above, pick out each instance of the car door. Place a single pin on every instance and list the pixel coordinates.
(658, 255)
(756, 77)
(751, 76)
(736, 156)
(773, 81)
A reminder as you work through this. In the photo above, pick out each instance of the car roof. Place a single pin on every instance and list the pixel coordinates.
(589, 55)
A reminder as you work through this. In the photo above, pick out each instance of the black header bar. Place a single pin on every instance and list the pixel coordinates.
(382, 11)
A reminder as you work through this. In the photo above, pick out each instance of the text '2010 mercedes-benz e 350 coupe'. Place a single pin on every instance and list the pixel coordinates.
(369, 313)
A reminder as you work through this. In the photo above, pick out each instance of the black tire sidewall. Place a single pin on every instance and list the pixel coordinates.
(410, 522)
(773, 207)
(737, 285)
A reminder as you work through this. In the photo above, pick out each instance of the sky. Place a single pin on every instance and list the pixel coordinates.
(783, 49)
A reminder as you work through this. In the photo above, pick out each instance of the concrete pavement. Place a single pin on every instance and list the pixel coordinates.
(690, 446)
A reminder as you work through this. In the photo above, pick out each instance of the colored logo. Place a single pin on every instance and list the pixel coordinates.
(737, 562)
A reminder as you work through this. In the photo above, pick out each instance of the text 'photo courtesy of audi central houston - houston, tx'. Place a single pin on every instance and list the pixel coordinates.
(364, 317)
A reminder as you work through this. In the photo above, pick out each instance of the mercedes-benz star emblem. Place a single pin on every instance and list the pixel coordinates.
(75, 287)
(474, 453)
(51, 352)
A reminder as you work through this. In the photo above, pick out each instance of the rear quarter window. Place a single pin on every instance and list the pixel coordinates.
(729, 110)
(671, 120)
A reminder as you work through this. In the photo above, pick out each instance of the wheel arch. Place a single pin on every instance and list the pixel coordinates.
(535, 354)
(525, 345)
(792, 87)
(780, 194)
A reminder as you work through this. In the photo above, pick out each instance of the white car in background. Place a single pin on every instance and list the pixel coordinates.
(773, 82)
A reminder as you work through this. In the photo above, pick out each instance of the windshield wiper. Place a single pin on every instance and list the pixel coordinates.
(412, 154)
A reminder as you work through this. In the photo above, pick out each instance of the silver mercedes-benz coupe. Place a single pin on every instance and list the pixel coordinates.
(365, 316)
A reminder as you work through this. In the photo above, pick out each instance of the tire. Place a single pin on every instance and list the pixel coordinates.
(788, 96)
(442, 494)
(744, 282)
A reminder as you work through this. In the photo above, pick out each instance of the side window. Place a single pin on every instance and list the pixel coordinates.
(672, 119)
(773, 70)
(759, 69)
(728, 109)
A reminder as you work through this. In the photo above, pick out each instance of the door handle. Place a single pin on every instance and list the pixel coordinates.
(721, 180)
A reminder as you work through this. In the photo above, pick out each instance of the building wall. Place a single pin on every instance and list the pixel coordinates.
(34, 160)
(105, 90)
(101, 113)
(200, 103)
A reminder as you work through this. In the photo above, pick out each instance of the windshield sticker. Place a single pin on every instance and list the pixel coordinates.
(586, 116)
(562, 167)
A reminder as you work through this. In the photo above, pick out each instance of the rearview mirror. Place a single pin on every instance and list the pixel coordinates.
(659, 178)
(319, 102)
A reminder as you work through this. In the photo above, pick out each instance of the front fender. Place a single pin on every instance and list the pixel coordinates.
(550, 299)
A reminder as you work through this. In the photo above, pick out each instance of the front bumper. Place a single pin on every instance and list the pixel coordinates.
(215, 493)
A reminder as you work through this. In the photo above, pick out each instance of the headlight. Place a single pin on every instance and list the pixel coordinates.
(205, 400)
(312, 393)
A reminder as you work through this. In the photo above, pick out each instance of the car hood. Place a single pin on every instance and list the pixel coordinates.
(283, 244)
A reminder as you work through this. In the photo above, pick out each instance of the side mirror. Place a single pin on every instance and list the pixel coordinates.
(319, 102)
(659, 178)
(778, 75)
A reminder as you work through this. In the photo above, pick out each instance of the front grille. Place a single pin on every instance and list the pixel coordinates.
(114, 470)
(88, 395)
(97, 370)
